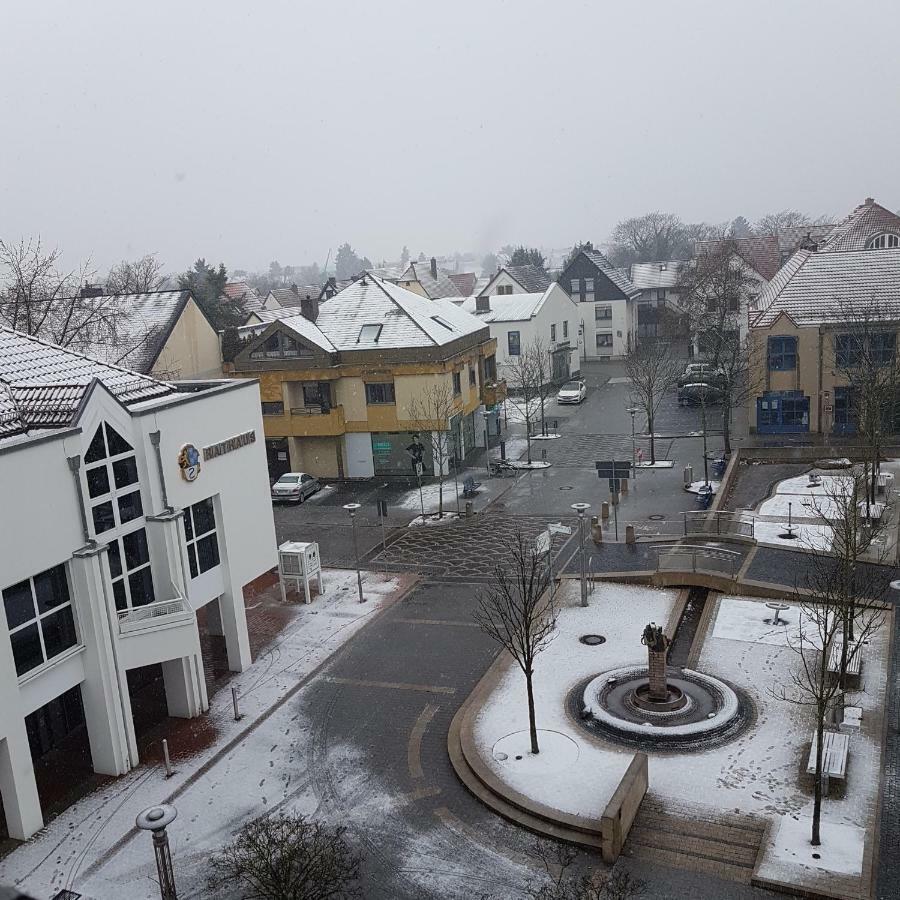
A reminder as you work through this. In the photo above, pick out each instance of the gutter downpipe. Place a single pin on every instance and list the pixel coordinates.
(154, 439)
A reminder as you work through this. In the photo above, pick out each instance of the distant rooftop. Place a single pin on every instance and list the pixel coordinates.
(655, 275)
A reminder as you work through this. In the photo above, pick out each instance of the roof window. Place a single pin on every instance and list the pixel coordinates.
(369, 334)
(443, 322)
(883, 241)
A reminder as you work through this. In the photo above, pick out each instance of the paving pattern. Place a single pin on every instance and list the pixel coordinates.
(583, 450)
(469, 549)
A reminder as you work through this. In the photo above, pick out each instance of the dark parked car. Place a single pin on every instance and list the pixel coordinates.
(697, 373)
(695, 393)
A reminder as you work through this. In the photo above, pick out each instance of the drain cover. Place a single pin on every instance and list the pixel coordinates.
(656, 518)
(592, 640)
(567, 487)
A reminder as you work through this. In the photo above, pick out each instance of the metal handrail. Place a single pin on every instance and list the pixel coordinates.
(718, 523)
(313, 410)
(688, 558)
(151, 611)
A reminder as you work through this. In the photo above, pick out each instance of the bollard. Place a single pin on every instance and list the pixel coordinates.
(543, 454)
(469, 509)
(688, 475)
(624, 485)
(614, 498)
(629, 534)
(596, 530)
(604, 510)
(234, 700)
(502, 449)
(169, 771)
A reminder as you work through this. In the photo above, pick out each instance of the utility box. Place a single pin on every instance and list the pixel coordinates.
(299, 561)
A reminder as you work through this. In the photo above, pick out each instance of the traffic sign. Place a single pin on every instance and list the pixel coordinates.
(613, 469)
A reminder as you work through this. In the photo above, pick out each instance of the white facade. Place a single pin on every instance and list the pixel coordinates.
(608, 327)
(91, 533)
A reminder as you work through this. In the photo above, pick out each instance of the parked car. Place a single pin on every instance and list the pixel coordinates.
(572, 392)
(693, 394)
(695, 373)
(295, 487)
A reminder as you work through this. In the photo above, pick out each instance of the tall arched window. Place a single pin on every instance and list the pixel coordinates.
(883, 241)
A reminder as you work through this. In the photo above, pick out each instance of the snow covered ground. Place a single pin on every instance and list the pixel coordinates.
(809, 537)
(262, 770)
(756, 773)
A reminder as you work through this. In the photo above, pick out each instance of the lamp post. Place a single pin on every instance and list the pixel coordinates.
(487, 443)
(632, 411)
(155, 819)
(352, 508)
(580, 508)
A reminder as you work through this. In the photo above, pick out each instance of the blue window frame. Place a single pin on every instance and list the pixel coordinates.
(844, 411)
(846, 350)
(882, 346)
(780, 412)
(782, 353)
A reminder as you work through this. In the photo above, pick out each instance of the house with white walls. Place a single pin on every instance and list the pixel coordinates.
(550, 317)
(129, 505)
(516, 280)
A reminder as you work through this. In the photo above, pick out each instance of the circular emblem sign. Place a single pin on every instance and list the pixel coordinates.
(189, 462)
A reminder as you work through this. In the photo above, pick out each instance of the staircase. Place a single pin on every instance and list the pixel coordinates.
(695, 838)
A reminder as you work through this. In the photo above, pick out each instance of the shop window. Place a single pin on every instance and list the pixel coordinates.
(200, 535)
(782, 353)
(40, 618)
(380, 392)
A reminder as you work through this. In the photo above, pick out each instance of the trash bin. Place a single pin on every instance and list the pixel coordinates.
(688, 475)
(469, 507)
(718, 467)
(704, 499)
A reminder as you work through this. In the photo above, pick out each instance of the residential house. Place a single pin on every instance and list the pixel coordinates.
(130, 506)
(657, 282)
(607, 302)
(160, 333)
(801, 237)
(428, 280)
(550, 317)
(806, 334)
(340, 382)
(516, 280)
(247, 296)
(465, 282)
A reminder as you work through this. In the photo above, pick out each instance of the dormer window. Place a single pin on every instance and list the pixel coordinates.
(369, 334)
(883, 241)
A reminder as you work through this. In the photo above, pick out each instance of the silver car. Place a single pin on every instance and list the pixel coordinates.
(295, 487)
(572, 392)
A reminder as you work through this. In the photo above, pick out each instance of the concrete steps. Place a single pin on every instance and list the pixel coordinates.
(696, 839)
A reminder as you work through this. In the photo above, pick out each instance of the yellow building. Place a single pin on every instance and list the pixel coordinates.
(346, 386)
(813, 314)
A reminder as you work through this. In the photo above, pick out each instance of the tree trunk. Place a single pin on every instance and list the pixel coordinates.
(817, 797)
(528, 436)
(726, 428)
(441, 491)
(652, 438)
(532, 723)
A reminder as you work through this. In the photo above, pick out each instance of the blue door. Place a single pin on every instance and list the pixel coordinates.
(782, 412)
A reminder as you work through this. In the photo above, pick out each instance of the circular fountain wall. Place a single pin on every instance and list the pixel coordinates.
(698, 711)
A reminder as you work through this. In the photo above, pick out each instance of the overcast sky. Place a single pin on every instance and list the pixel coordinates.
(246, 132)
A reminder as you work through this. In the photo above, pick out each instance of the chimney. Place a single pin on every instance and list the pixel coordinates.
(870, 201)
(91, 290)
(482, 303)
(309, 307)
(433, 268)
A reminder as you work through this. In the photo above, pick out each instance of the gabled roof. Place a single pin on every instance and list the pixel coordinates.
(617, 276)
(465, 282)
(507, 307)
(407, 319)
(42, 385)
(790, 239)
(241, 292)
(761, 252)
(434, 288)
(782, 277)
(866, 221)
(820, 288)
(654, 275)
(531, 279)
(293, 295)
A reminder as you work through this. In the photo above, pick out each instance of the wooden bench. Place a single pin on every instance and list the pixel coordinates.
(835, 750)
(854, 662)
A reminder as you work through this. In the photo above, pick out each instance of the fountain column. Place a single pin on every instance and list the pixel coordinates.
(657, 645)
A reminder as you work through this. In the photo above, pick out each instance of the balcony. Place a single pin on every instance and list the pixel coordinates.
(306, 421)
(152, 615)
(493, 392)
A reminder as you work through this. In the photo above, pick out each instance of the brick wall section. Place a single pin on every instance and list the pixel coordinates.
(658, 689)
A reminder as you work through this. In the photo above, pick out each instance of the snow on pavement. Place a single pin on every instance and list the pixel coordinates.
(258, 772)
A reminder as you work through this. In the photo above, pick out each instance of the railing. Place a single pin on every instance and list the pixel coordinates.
(142, 616)
(718, 523)
(709, 560)
(316, 410)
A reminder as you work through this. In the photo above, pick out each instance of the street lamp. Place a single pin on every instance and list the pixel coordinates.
(632, 411)
(487, 443)
(155, 819)
(352, 508)
(580, 508)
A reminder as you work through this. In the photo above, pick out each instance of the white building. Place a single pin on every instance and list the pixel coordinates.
(516, 280)
(128, 505)
(518, 320)
(657, 282)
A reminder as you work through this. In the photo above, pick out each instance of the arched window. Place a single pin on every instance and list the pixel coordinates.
(883, 241)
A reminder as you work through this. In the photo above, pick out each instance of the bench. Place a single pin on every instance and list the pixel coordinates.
(470, 486)
(835, 750)
(854, 661)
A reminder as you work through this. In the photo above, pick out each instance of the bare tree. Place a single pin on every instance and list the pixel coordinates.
(529, 381)
(287, 857)
(834, 593)
(864, 355)
(775, 223)
(652, 368)
(432, 411)
(563, 884)
(136, 276)
(655, 236)
(518, 611)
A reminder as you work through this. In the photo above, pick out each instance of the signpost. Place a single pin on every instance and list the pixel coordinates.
(382, 515)
(616, 472)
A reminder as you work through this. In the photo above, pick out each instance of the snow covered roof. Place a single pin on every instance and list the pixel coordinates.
(507, 307)
(617, 276)
(407, 319)
(761, 252)
(243, 293)
(651, 275)
(866, 221)
(434, 287)
(465, 282)
(42, 385)
(818, 288)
